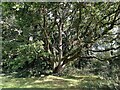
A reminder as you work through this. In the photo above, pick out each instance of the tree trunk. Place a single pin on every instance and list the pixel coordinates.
(59, 68)
(60, 28)
(46, 37)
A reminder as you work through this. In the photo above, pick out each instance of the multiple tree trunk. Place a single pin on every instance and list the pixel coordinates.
(61, 60)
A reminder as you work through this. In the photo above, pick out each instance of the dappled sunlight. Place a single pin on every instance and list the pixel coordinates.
(50, 82)
(37, 81)
(60, 45)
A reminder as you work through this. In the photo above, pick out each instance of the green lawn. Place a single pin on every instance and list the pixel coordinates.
(54, 82)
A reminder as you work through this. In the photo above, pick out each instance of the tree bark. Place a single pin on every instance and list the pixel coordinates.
(60, 42)
(46, 36)
(59, 68)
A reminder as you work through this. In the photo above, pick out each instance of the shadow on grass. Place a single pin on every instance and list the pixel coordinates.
(46, 82)
(83, 77)
(68, 82)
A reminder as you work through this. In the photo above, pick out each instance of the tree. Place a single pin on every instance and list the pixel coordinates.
(69, 31)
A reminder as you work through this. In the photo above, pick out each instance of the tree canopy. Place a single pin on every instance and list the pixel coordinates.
(51, 35)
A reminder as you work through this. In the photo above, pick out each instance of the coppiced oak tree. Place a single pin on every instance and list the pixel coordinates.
(64, 31)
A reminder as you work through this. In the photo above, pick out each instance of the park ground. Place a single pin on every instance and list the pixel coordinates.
(53, 82)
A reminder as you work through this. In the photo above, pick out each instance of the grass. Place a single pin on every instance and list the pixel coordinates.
(53, 82)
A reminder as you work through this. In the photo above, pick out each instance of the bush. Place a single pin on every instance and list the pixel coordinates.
(27, 60)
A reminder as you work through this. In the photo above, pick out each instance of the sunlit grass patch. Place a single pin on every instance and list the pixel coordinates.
(54, 82)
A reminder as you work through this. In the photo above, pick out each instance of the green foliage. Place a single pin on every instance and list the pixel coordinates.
(24, 55)
(85, 32)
